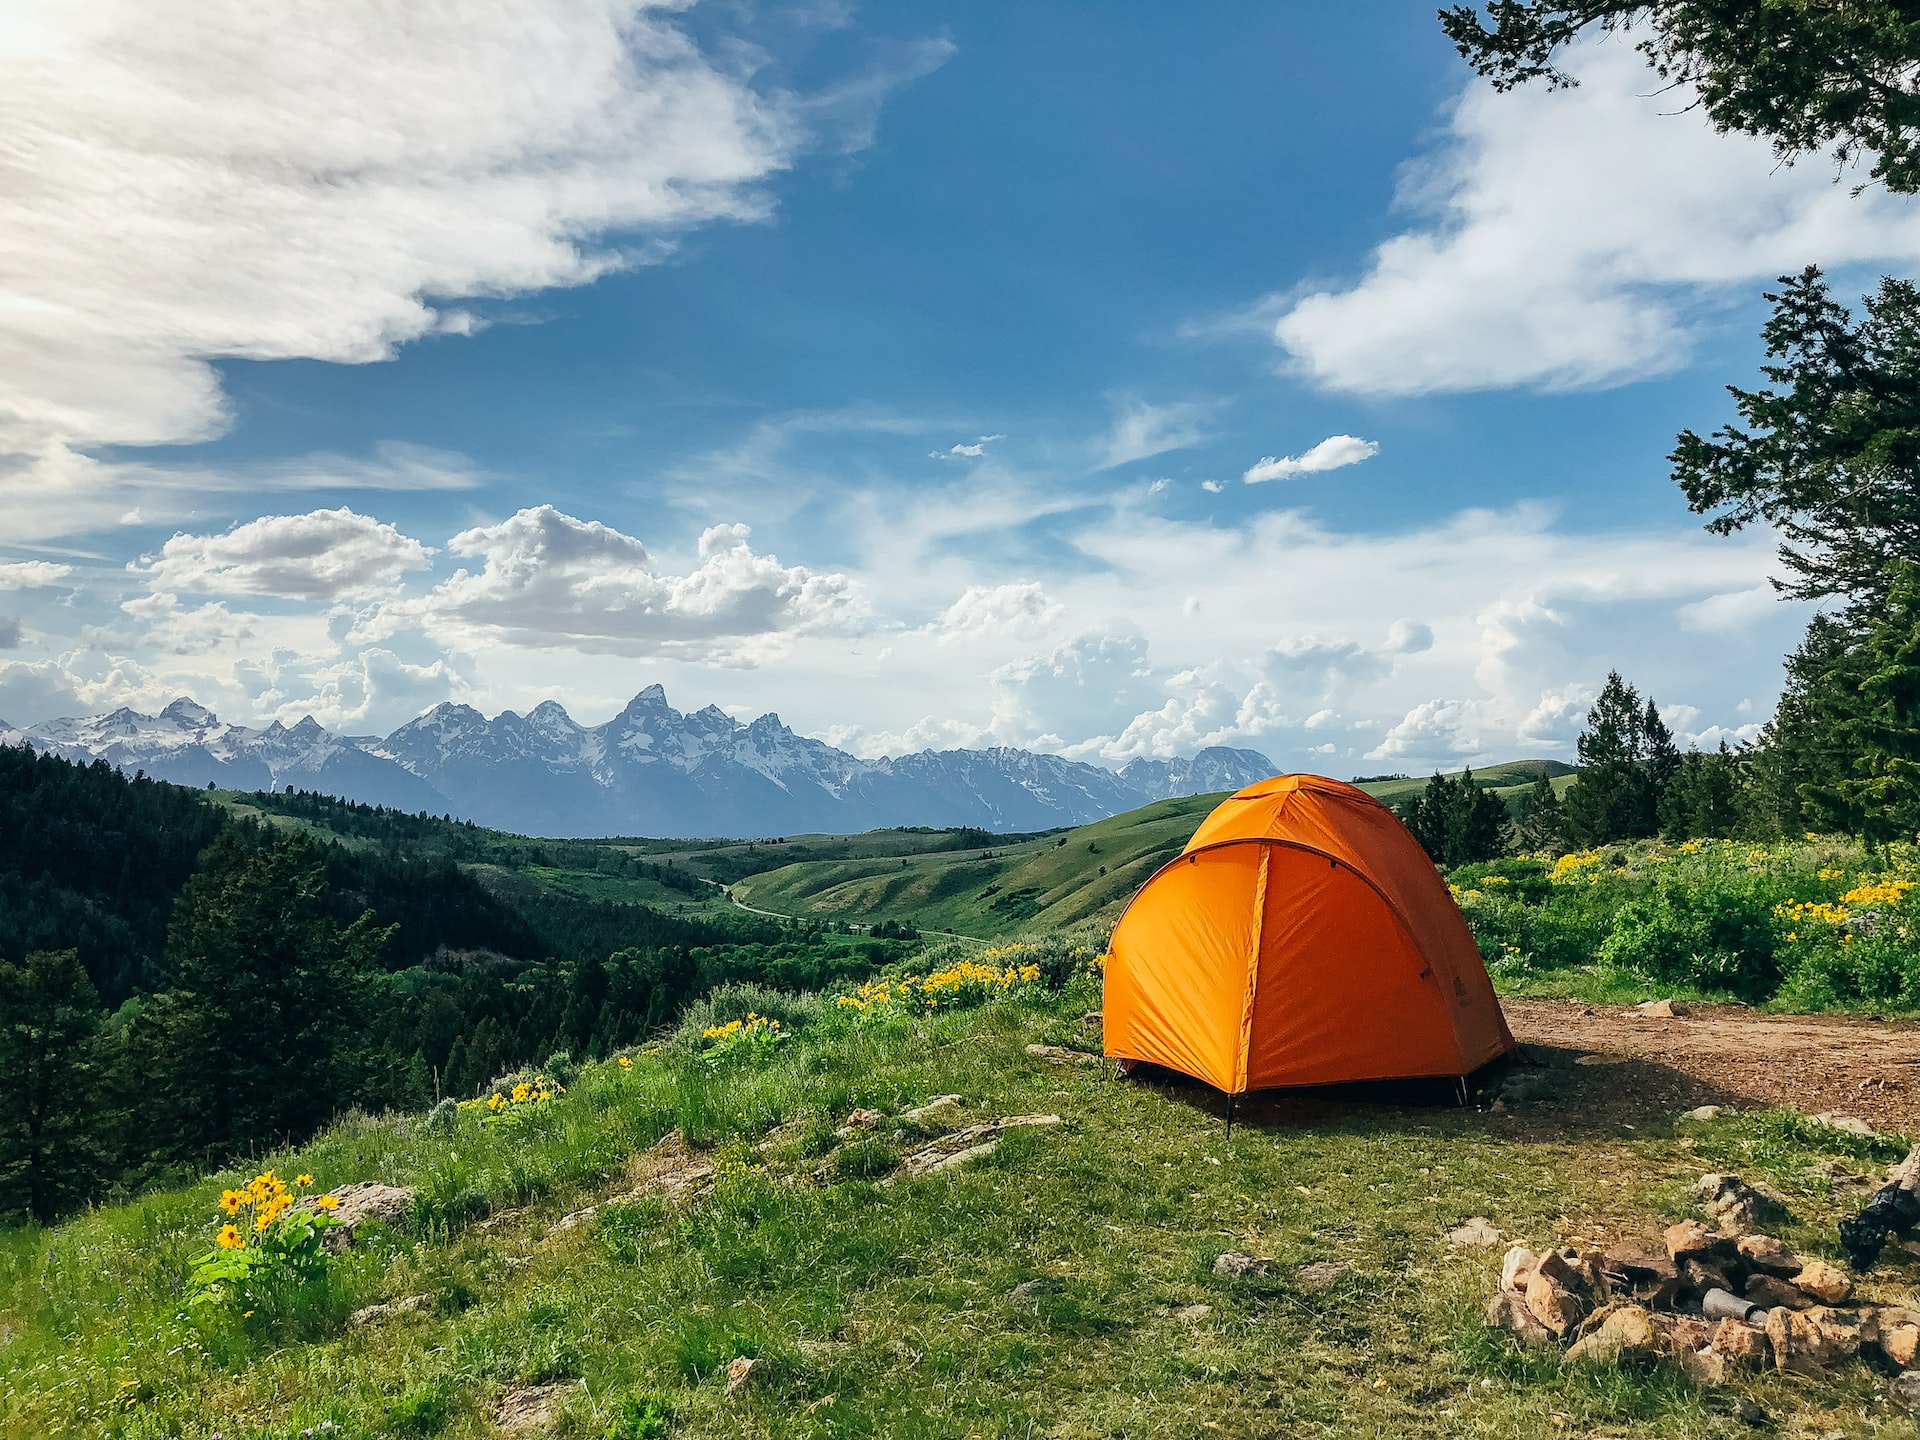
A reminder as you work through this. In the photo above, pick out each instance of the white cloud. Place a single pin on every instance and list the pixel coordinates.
(1141, 430)
(1018, 609)
(1440, 731)
(1409, 637)
(31, 574)
(967, 452)
(1212, 487)
(322, 555)
(270, 180)
(1568, 238)
(1332, 453)
(548, 579)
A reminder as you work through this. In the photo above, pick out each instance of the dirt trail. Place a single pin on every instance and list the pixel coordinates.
(1724, 1055)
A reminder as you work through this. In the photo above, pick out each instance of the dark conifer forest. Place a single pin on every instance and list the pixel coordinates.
(179, 986)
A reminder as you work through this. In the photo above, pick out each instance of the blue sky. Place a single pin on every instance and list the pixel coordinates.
(906, 370)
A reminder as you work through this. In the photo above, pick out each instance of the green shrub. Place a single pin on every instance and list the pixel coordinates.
(1714, 936)
(421, 1411)
(640, 1417)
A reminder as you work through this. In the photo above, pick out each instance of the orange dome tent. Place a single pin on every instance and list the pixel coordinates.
(1301, 938)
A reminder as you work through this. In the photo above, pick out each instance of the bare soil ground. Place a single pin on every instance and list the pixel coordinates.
(1719, 1055)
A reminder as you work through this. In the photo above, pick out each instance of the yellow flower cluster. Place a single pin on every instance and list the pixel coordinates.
(263, 1199)
(536, 1091)
(964, 980)
(1802, 912)
(1828, 872)
(1890, 892)
(1574, 862)
(750, 1028)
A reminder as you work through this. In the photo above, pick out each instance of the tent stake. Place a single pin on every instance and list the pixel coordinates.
(1462, 1082)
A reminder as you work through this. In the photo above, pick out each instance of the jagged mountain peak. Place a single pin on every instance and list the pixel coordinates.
(650, 770)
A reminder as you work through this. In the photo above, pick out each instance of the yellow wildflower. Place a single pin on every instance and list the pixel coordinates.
(327, 1202)
(229, 1238)
(303, 1179)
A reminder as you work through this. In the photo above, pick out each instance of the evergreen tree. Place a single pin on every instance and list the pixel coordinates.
(49, 1140)
(1704, 799)
(1612, 798)
(1480, 829)
(1541, 823)
(1884, 788)
(1662, 761)
(252, 1036)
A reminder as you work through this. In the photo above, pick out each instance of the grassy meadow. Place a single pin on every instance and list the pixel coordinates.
(881, 1304)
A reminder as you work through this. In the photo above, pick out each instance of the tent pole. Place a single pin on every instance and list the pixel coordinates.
(1230, 1100)
(1461, 1080)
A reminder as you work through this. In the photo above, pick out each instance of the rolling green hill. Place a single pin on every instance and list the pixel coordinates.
(1045, 882)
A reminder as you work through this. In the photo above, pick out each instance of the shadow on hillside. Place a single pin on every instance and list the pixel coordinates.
(1543, 1094)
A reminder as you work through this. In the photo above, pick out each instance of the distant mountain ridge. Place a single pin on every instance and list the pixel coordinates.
(651, 770)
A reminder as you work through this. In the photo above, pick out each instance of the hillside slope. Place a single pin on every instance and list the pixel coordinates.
(659, 1222)
(1047, 882)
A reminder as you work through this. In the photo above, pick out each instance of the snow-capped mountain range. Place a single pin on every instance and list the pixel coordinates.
(650, 770)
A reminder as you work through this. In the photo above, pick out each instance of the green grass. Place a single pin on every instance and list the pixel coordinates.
(884, 1310)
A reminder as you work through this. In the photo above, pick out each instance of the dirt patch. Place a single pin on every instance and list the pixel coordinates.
(1720, 1055)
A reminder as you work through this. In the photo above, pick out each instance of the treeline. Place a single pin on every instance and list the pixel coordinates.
(1634, 783)
(177, 987)
(468, 843)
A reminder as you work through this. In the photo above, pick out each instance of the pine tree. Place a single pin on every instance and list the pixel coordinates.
(1612, 799)
(252, 1037)
(1662, 758)
(49, 1139)
(1480, 824)
(1884, 789)
(1541, 823)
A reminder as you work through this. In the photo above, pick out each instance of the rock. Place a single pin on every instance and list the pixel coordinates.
(1515, 1267)
(1840, 1332)
(1771, 1293)
(578, 1217)
(1739, 1207)
(1905, 1392)
(671, 1169)
(1060, 1055)
(1822, 1281)
(1320, 1274)
(1663, 1010)
(1796, 1342)
(1850, 1124)
(1708, 1369)
(740, 1374)
(1563, 1268)
(1507, 1311)
(527, 1408)
(859, 1120)
(1028, 1292)
(1902, 1344)
(1476, 1234)
(1192, 1314)
(1688, 1239)
(1744, 1346)
(1753, 1414)
(1703, 1112)
(963, 1146)
(359, 1203)
(1702, 1276)
(929, 1113)
(1553, 1304)
(1636, 1265)
(380, 1314)
(1682, 1334)
(1764, 1253)
(1627, 1335)
(1094, 1019)
(1237, 1265)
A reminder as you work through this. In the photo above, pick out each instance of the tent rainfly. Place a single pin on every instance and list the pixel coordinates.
(1301, 938)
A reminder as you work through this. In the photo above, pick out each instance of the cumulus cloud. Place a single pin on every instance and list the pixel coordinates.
(1019, 608)
(1141, 430)
(1409, 637)
(31, 574)
(1567, 238)
(1440, 731)
(322, 555)
(1333, 453)
(967, 452)
(185, 182)
(549, 579)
